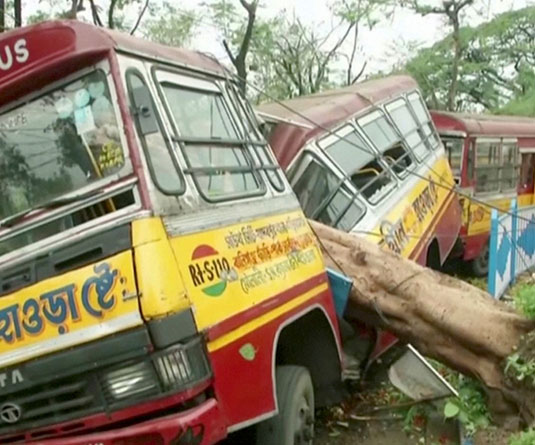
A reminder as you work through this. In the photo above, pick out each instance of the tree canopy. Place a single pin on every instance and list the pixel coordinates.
(496, 71)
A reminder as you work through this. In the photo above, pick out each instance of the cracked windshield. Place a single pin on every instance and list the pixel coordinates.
(58, 143)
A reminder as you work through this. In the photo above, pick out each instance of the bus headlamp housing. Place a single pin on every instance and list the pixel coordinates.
(182, 366)
(130, 381)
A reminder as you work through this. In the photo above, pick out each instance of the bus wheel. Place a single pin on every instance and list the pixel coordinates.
(294, 424)
(480, 265)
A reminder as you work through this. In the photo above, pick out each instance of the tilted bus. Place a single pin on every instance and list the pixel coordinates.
(493, 161)
(159, 283)
(367, 159)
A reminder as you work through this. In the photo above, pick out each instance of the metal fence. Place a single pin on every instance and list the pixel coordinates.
(511, 248)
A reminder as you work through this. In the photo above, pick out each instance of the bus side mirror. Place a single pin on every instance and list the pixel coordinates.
(144, 111)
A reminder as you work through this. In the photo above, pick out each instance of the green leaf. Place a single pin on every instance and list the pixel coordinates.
(450, 410)
(248, 352)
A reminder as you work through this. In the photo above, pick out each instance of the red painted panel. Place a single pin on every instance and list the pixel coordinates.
(244, 387)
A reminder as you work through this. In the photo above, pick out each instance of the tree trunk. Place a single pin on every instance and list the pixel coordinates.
(452, 94)
(443, 317)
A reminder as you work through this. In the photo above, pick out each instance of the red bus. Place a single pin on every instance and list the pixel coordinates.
(493, 160)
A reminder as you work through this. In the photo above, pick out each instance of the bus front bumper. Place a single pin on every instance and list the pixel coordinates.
(202, 425)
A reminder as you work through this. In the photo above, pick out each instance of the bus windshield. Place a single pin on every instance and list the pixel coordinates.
(58, 143)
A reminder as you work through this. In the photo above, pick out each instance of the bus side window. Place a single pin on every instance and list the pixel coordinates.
(161, 162)
(409, 128)
(488, 166)
(381, 133)
(324, 198)
(357, 160)
(419, 109)
(510, 171)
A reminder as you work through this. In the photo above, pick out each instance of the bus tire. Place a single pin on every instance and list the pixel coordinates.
(480, 265)
(294, 423)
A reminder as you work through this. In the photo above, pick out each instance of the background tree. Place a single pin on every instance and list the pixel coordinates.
(498, 66)
(451, 10)
(171, 26)
(359, 13)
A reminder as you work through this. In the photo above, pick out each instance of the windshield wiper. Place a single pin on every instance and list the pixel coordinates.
(10, 221)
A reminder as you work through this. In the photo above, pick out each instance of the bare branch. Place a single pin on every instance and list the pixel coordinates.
(229, 52)
(111, 10)
(94, 13)
(140, 17)
(360, 73)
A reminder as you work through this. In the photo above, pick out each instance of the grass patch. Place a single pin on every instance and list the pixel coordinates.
(524, 298)
(524, 438)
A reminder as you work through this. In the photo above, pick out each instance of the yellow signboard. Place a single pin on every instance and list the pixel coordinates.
(72, 308)
(231, 269)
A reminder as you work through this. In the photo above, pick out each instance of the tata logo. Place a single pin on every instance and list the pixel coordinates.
(10, 378)
(10, 413)
(11, 53)
(210, 270)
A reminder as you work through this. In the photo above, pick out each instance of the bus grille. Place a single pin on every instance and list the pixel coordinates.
(54, 402)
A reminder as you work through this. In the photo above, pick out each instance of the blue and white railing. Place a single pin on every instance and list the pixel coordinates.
(511, 247)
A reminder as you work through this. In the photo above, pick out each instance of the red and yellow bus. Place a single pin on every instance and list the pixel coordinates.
(493, 161)
(159, 283)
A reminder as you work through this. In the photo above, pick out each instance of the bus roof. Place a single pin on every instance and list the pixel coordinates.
(306, 117)
(48, 51)
(483, 124)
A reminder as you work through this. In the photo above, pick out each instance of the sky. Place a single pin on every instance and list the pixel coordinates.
(380, 48)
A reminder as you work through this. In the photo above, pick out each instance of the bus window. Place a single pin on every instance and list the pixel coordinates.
(423, 118)
(454, 150)
(218, 160)
(358, 161)
(323, 197)
(510, 171)
(488, 166)
(408, 127)
(162, 165)
(387, 141)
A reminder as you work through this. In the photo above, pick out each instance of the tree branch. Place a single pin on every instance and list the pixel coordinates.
(111, 10)
(94, 13)
(140, 17)
(360, 73)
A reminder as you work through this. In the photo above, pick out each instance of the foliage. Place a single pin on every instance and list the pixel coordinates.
(497, 65)
(520, 368)
(523, 438)
(470, 408)
(524, 298)
(415, 419)
(171, 26)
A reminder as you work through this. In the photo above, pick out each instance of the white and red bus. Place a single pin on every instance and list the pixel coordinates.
(367, 159)
(493, 161)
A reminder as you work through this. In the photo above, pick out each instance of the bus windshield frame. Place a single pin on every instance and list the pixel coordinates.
(80, 118)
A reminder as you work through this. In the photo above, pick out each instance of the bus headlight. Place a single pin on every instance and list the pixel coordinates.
(183, 365)
(134, 380)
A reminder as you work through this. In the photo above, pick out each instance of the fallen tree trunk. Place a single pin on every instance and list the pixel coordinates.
(443, 317)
